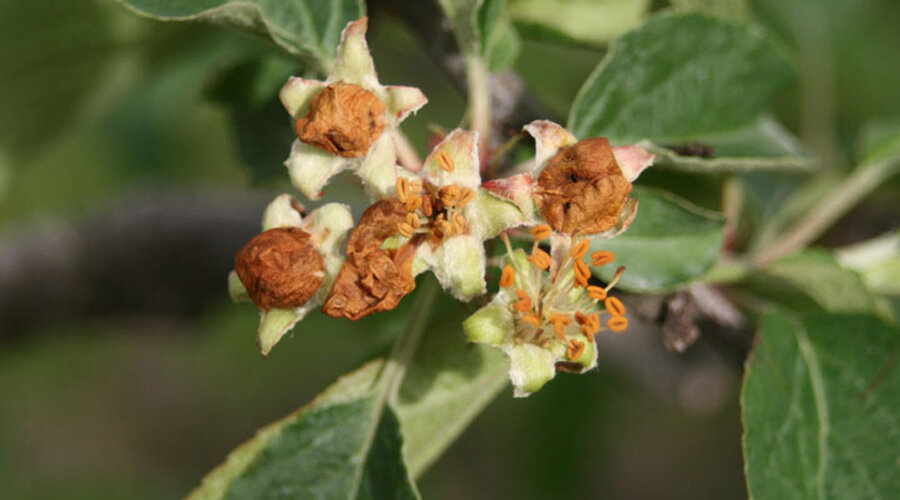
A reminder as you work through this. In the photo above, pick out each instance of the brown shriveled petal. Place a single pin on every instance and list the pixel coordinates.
(280, 268)
(582, 188)
(344, 119)
(373, 279)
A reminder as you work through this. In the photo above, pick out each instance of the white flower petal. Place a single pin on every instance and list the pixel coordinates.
(530, 367)
(236, 288)
(401, 101)
(549, 138)
(275, 323)
(460, 149)
(310, 168)
(632, 160)
(354, 62)
(328, 225)
(458, 263)
(488, 215)
(296, 94)
(281, 213)
(378, 168)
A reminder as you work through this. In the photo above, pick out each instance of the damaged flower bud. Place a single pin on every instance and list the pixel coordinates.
(280, 268)
(582, 188)
(344, 119)
(373, 278)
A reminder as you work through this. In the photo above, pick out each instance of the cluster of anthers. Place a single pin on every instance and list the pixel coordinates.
(436, 218)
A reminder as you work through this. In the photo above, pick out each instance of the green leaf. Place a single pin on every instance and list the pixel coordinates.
(877, 261)
(449, 382)
(593, 22)
(56, 55)
(481, 27)
(306, 28)
(499, 41)
(880, 141)
(762, 145)
(677, 78)
(813, 281)
(819, 406)
(669, 243)
(735, 10)
(320, 450)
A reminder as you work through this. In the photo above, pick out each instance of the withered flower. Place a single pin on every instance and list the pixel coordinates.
(280, 267)
(288, 268)
(347, 121)
(343, 119)
(373, 278)
(582, 189)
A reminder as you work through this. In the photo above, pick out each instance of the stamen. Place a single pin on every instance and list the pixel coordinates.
(402, 186)
(580, 281)
(412, 220)
(524, 302)
(506, 279)
(444, 161)
(596, 292)
(617, 323)
(559, 324)
(615, 278)
(580, 249)
(602, 257)
(614, 306)
(459, 223)
(426, 206)
(405, 229)
(415, 186)
(575, 350)
(531, 318)
(580, 318)
(582, 271)
(540, 259)
(449, 195)
(541, 231)
(413, 203)
(465, 197)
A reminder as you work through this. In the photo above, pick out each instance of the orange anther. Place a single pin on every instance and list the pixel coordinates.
(580, 318)
(575, 350)
(508, 276)
(444, 161)
(541, 231)
(412, 220)
(540, 259)
(426, 206)
(531, 318)
(442, 227)
(405, 229)
(459, 223)
(617, 323)
(402, 186)
(602, 257)
(596, 292)
(524, 302)
(413, 203)
(580, 281)
(415, 186)
(614, 306)
(559, 324)
(582, 270)
(449, 195)
(580, 249)
(465, 197)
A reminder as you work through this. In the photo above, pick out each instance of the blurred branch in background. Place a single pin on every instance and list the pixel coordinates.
(165, 253)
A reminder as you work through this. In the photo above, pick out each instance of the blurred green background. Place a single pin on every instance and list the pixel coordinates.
(136, 157)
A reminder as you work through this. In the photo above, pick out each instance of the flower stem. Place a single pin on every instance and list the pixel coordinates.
(391, 376)
(829, 209)
(479, 107)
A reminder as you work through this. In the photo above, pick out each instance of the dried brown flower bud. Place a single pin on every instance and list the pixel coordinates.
(582, 188)
(343, 119)
(373, 279)
(280, 268)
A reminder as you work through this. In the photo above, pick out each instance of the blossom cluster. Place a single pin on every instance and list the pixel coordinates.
(436, 218)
